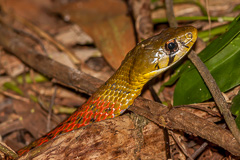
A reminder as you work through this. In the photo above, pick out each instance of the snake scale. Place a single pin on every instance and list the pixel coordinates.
(148, 59)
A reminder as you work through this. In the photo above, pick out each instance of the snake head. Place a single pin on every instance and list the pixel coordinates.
(156, 54)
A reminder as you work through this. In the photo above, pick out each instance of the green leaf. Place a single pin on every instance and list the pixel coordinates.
(236, 8)
(28, 79)
(236, 20)
(204, 35)
(12, 86)
(237, 120)
(235, 108)
(210, 51)
(222, 59)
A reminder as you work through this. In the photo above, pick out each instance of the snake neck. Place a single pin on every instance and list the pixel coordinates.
(119, 91)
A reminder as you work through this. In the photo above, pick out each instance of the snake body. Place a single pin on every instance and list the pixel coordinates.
(148, 59)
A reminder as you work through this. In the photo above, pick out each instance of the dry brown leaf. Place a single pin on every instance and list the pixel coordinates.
(108, 25)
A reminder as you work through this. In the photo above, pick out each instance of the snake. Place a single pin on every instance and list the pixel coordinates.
(145, 61)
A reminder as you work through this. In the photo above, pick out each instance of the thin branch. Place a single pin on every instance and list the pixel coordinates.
(43, 34)
(50, 108)
(34, 38)
(181, 146)
(170, 13)
(199, 150)
(209, 18)
(209, 111)
(14, 96)
(216, 93)
(8, 151)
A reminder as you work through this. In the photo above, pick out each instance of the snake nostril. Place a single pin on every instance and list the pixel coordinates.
(189, 35)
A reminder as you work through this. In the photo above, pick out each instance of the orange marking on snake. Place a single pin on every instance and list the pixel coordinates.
(106, 114)
(96, 100)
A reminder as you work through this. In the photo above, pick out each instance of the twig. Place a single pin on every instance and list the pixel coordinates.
(216, 93)
(37, 40)
(170, 14)
(209, 111)
(50, 108)
(199, 150)
(14, 96)
(11, 125)
(154, 94)
(8, 151)
(180, 146)
(43, 34)
(194, 18)
(209, 18)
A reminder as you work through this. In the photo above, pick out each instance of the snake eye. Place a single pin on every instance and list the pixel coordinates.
(171, 46)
